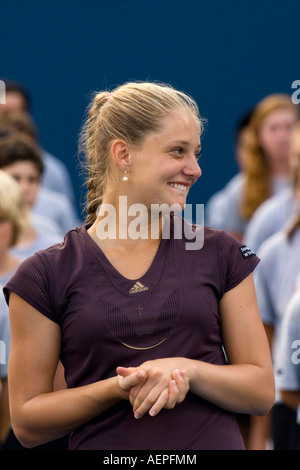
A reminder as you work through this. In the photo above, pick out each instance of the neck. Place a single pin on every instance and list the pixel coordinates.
(279, 166)
(128, 224)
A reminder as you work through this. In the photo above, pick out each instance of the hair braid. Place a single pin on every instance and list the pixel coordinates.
(94, 157)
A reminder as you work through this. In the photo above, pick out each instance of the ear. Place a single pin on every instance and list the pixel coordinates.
(120, 153)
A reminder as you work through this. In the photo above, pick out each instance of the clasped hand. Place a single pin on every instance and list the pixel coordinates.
(154, 385)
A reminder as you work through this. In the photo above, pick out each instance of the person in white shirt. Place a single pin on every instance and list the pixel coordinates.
(288, 368)
(278, 211)
(266, 168)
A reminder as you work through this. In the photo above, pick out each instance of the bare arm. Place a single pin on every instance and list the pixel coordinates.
(246, 384)
(38, 413)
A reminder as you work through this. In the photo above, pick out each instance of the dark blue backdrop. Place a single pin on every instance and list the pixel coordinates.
(227, 54)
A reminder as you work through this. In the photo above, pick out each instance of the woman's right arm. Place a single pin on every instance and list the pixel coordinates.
(39, 414)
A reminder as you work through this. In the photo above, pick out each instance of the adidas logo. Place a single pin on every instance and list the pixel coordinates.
(138, 287)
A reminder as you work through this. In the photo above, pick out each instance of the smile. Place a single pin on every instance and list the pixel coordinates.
(181, 187)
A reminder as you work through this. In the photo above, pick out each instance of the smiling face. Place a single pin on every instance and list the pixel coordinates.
(164, 168)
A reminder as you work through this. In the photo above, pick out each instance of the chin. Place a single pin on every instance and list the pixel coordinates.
(180, 203)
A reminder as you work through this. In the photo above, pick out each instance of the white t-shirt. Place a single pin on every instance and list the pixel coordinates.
(275, 280)
(272, 216)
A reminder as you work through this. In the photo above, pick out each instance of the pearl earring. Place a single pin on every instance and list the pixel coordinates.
(125, 178)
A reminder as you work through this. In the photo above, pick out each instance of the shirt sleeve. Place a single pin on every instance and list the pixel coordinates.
(33, 283)
(237, 261)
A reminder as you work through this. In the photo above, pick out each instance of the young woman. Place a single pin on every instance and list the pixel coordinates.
(289, 359)
(266, 168)
(140, 323)
(14, 219)
(276, 280)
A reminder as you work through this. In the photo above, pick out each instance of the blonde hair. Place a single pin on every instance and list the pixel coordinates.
(12, 207)
(257, 187)
(130, 112)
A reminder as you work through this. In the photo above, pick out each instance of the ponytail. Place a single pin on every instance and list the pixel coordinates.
(95, 157)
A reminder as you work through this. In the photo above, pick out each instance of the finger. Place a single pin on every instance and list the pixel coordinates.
(133, 379)
(153, 405)
(147, 393)
(124, 371)
(172, 396)
(183, 384)
(134, 391)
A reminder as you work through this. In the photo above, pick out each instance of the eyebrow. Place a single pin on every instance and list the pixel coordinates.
(184, 142)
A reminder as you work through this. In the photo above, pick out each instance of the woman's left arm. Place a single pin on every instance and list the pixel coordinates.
(246, 383)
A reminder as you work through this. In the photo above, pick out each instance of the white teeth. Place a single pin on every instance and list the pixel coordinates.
(181, 187)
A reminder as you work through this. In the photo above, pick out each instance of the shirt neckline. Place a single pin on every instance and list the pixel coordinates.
(145, 283)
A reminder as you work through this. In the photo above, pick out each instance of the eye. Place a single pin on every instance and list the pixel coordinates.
(198, 154)
(178, 151)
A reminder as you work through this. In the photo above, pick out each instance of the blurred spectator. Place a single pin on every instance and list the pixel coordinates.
(4, 353)
(278, 210)
(56, 176)
(14, 220)
(288, 369)
(28, 170)
(266, 168)
(21, 160)
(216, 210)
(275, 281)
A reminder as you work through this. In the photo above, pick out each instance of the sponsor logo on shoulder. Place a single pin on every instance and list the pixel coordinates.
(246, 251)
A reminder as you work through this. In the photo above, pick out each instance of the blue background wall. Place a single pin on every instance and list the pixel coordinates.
(227, 54)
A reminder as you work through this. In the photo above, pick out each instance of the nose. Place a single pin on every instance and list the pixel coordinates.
(192, 168)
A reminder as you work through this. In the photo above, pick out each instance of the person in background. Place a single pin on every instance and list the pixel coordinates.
(193, 350)
(216, 210)
(4, 353)
(21, 160)
(275, 281)
(288, 367)
(14, 220)
(48, 203)
(276, 212)
(266, 168)
(56, 176)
